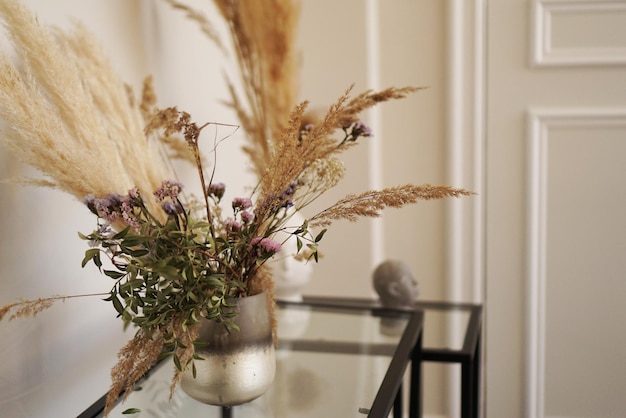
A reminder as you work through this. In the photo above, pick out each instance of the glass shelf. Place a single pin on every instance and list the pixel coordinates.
(332, 360)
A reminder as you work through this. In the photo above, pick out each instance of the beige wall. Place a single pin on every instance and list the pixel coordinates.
(58, 364)
(66, 354)
(555, 225)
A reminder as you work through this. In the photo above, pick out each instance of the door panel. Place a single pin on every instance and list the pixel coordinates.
(556, 234)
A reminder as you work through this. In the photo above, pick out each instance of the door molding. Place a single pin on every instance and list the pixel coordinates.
(540, 121)
(545, 16)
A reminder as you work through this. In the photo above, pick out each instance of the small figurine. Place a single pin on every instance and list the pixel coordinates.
(395, 284)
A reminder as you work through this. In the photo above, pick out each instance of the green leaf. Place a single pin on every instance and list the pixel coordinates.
(164, 355)
(121, 234)
(303, 229)
(97, 261)
(117, 304)
(136, 240)
(91, 254)
(177, 362)
(135, 283)
(114, 274)
(201, 224)
(299, 244)
(137, 253)
(319, 236)
(131, 411)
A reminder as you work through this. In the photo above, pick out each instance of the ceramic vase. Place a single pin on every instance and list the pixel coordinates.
(238, 366)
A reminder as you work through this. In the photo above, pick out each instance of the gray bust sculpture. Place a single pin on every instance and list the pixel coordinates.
(395, 284)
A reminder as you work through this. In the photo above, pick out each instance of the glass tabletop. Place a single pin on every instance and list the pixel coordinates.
(331, 361)
(448, 326)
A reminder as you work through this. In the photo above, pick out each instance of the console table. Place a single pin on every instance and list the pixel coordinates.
(336, 358)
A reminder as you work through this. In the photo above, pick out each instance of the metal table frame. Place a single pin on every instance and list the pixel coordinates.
(469, 356)
(389, 394)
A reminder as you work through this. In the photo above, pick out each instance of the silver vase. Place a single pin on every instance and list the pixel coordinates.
(238, 366)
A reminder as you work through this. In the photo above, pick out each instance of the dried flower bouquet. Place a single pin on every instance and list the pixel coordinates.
(172, 258)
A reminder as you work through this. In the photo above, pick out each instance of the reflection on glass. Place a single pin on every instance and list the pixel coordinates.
(309, 383)
(445, 328)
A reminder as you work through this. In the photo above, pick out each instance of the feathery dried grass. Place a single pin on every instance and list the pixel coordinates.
(185, 351)
(296, 154)
(68, 114)
(263, 34)
(135, 359)
(27, 308)
(32, 307)
(206, 26)
(371, 203)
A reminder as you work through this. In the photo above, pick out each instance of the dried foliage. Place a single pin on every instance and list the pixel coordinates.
(205, 24)
(68, 114)
(27, 308)
(263, 37)
(135, 359)
(31, 308)
(371, 203)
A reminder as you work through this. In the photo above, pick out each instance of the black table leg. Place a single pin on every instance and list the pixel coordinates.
(227, 412)
(467, 391)
(397, 403)
(476, 376)
(415, 402)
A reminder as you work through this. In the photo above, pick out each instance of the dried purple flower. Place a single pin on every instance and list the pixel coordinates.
(128, 213)
(361, 129)
(107, 207)
(170, 208)
(133, 193)
(90, 202)
(246, 217)
(288, 193)
(265, 247)
(216, 190)
(232, 225)
(242, 203)
(169, 188)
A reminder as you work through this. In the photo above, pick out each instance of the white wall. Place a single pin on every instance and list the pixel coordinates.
(58, 364)
(60, 361)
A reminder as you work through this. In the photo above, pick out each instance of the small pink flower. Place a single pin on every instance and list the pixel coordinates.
(133, 193)
(169, 188)
(246, 217)
(217, 190)
(128, 214)
(242, 203)
(265, 247)
(232, 225)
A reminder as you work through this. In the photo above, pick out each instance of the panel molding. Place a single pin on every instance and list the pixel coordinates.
(466, 25)
(544, 53)
(377, 227)
(540, 121)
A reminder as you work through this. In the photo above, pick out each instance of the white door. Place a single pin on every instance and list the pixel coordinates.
(555, 198)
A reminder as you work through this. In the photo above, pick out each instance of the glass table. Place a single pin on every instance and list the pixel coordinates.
(452, 333)
(336, 358)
